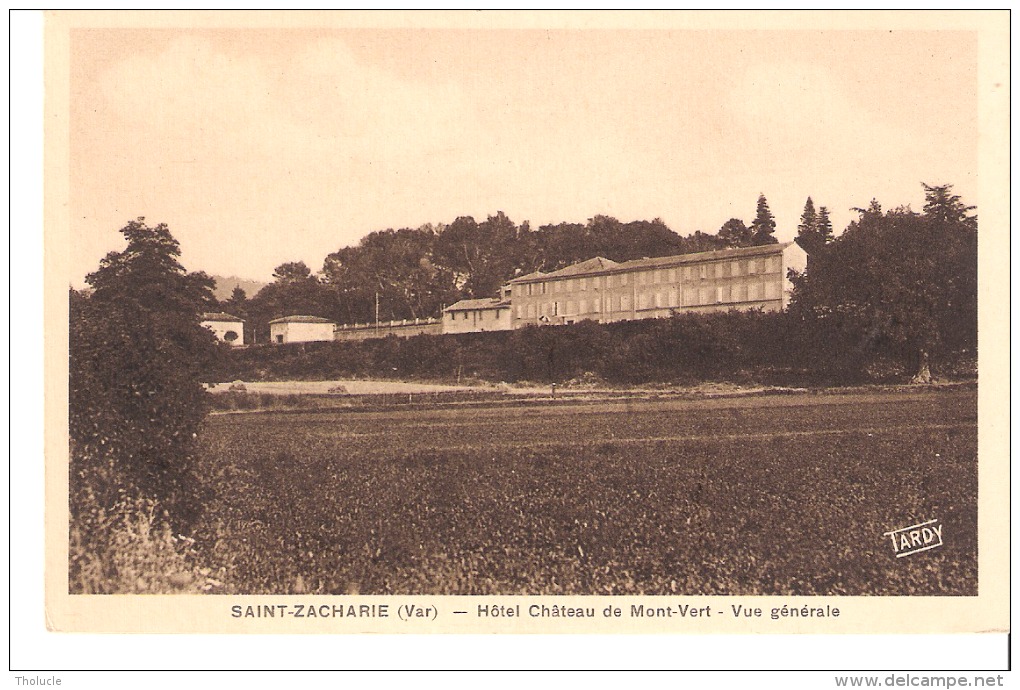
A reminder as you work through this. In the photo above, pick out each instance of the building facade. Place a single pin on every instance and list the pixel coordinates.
(476, 315)
(606, 291)
(300, 329)
(225, 327)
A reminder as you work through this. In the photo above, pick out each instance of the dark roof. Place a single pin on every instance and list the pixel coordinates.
(598, 265)
(735, 253)
(301, 319)
(535, 274)
(220, 316)
(469, 304)
(587, 266)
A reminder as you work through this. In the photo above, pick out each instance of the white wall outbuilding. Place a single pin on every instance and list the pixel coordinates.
(300, 329)
(225, 327)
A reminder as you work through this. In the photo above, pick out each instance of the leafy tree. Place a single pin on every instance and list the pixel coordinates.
(458, 250)
(499, 239)
(700, 242)
(764, 225)
(563, 244)
(608, 237)
(136, 347)
(397, 266)
(481, 256)
(898, 284)
(604, 235)
(734, 233)
(642, 238)
(292, 272)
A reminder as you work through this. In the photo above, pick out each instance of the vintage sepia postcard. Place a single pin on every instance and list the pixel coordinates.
(651, 322)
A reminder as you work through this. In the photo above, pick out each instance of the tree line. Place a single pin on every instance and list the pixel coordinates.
(412, 273)
(897, 283)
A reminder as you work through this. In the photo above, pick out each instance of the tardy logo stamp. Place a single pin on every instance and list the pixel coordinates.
(916, 538)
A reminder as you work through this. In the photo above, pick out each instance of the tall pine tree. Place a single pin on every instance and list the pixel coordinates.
(808, 219)
(824, 226)
(815, 229)
(764, 225)
(807, 231)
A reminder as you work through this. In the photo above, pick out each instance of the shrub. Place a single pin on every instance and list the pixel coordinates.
(130, 549)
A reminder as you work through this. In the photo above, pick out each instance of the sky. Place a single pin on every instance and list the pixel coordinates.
(260, 146)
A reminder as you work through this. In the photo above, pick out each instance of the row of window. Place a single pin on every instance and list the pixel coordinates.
(720, 269)
(479, 314)
(739, 293)
(662, 299)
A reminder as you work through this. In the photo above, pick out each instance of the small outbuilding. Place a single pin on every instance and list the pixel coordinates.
(228, 328)
(300, 329)
(476, 315)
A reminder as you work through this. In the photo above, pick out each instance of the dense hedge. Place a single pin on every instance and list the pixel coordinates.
(687, 348)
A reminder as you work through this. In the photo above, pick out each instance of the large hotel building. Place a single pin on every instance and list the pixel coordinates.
(606, 291)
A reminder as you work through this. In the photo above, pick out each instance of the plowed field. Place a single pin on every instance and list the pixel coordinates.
(786, 494)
